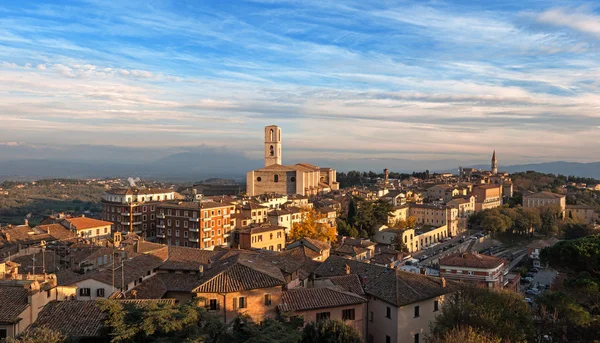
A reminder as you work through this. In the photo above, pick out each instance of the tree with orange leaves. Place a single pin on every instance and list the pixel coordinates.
(313, 225)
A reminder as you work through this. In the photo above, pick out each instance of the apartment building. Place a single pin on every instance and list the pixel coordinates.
(487, 196)
(268, 237)
(542, 199)
(488, 271)
(88, 228)
(202, 225)
(134, 210)
(436, 216)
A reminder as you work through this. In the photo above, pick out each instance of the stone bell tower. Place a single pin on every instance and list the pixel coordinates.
(272, 145)
(494, 164)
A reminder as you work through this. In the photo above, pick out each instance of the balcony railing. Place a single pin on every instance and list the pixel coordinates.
(160, 226)
(160, 235)
(195, 220)
(125, 223)
(194, 229)
(206, 229)
(206, 239)
(137, 213)
(196, 240)
(137, 223)
(160, 216)
(125, 213)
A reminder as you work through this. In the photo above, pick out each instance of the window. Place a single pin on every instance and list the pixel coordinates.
(177, 213)
(185, 234)
(169, 222)
(3, 333)
(169, 232)
(436, 306)
(239, 302)
(213, 305)
(416, 311)
(323, 315)
(144, 217)
(276, 178)
(371, 316)
(97, 232)
(388, 339)
(348, 314)
(268, 300)
(278, 247)
(259, 179)
(185, 224)
(471, 272)
(293, 178)
(100, 292)
(416, 338)
(388, 312)
(177, 223)
(185, 213)
(84, 292)
(219, 212)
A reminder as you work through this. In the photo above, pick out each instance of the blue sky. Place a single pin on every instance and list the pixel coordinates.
(344, 79)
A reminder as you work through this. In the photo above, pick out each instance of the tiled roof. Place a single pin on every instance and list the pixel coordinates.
(303, 299)
(263, 228)
(472, 260)
(84, 223)
(349, 283)
(349, 250)
(396, 287)
(134, 268)
(544, 195)
(73, 318)
(13, 301)
(27, 264)
(68, 277)
(151, 288)
(183, 258)
(175, 282)
(239, 272)
(23, 234)
(57, 231)
(133, 191)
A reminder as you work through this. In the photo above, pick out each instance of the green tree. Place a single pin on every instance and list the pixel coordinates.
(577, 230)
(329, 331)
(352, 211)
(464, 335)
(399, 244)
(38, 335)
(500, 313)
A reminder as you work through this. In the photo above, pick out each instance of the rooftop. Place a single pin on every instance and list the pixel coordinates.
(84, 223)
(473, 260)
(544, 195)
(303, 299)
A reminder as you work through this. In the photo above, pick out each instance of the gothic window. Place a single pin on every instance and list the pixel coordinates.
(271, 151)
(276, 178)
(271, 135)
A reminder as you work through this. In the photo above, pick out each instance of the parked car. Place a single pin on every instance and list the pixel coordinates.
(532, 292)
(528, 279)
(531, 275)
(534, 270)
(528, 300)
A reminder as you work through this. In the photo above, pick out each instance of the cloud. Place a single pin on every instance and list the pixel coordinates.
(573, 19)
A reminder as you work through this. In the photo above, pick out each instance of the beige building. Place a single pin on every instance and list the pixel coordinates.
(487, 197)
(414, 239)
(488, 271)
(542, 199)
(585, 213)
(89, 228)
(301, 178)
(436, 216)
(401, 304)
(268, 237)
(313, 304)
(256, 292)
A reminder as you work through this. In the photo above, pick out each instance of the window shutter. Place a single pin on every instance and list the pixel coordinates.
(235, 303)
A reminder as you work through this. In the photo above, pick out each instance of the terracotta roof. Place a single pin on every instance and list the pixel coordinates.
(175, 282)
(141, 191)
(56, 231)
(68, 277)
(239, 272)
(73, 318)
(349, 283)
(544, 195)
(303, 299)
(183, 258)
(396, 287)
(472, 260)
(349, 250)
(151, 288)
(13, 301)
(488, 186)
(134, 268)
(23, 234)
(263, 228)
(84, 223)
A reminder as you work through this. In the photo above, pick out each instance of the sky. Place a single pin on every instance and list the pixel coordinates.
(344, 79)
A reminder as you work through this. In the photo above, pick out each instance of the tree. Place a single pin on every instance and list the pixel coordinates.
(352, 212)
(577, 230)
(399, 244)
(576, 255)
(464, 335)
(500, 313)
(346, 229)
(329, 331)
(411, 222)
(313, 225)
(38, 335)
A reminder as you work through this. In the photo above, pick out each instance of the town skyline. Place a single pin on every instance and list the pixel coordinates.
(408, 81)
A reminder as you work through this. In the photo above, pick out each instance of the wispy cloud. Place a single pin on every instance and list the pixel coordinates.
(574, 19)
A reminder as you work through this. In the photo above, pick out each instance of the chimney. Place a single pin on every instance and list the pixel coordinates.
(26, 222)
(423, 271)
(347, 268)
(200, 271)
(443, 282)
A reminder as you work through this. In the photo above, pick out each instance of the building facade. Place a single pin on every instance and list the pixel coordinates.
(488, 271)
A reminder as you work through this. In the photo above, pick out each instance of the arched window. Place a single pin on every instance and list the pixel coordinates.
(276, 178)
(271, 151)
(279, 135)
(271, 135)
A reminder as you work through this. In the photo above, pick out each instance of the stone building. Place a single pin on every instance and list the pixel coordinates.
(542, 199)
(301, 178)
(582, 212)
(487, 196)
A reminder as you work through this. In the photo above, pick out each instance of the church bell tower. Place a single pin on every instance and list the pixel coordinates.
(272, 145)
(494, 164)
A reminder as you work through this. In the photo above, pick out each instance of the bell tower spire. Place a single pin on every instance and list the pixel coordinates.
(272, 145)
(494, 163)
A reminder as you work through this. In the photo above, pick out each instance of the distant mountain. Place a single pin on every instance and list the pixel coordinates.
(591, 169)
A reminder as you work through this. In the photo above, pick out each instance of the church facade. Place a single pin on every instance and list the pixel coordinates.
(302, 178)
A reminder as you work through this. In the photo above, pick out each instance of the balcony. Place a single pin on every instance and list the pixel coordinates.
(226, 235)
(195, 240)
(160, 226)
(194, 229)
(125, 223)
(137, 223)
(125, 213)
(195, 220)
(160, 235)
(206, 229)
(137, 213)
(160, 216)
(206, 239)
